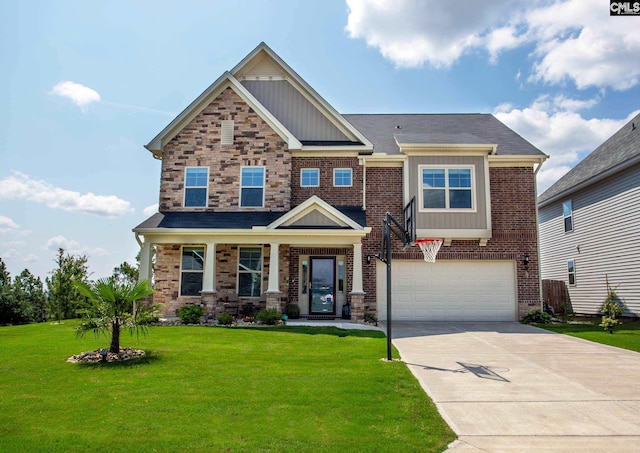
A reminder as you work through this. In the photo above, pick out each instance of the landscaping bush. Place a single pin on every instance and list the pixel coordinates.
(225, 319)
(537, 317)
(190, 314)
(269, 317)
(612, 309)
(292, 311)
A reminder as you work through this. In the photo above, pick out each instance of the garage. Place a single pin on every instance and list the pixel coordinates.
(449, 291)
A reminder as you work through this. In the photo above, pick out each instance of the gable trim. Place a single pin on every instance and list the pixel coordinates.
(311, 204)
(227, 80)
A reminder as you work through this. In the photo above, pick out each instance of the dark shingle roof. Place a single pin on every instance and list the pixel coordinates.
(472, 128)
(620, 149)
(231, 220)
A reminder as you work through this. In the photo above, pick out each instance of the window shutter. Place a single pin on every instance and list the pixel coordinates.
(227, 132)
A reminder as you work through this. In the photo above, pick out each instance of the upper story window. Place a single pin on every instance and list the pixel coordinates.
(191, 271)
(195, 186)
(309, 177)
(249, 271)
(447, 188)
(342, 177)
(252, 187)
(567, 214)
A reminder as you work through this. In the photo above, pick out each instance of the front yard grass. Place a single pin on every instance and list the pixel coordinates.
(626, 336)
(282, 389)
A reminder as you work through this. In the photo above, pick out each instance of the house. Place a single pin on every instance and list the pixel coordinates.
(590, 225)
(268, 196)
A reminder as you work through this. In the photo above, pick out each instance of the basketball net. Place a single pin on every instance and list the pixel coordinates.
(429, 248)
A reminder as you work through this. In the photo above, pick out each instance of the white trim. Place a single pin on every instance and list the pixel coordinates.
(564, 217)
(249, 246)
(575, 279)
(311, 204)
(191, 246)
(309, 185)
(185, 187)
(263, 186)
(342, 169)
(446, 188)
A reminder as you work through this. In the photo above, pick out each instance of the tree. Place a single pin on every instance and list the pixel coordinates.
(28, 291)
(8, 307)
(64, 297)
(110, 306)
(126, 273)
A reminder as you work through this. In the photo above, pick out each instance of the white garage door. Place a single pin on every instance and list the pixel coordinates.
(448, 291)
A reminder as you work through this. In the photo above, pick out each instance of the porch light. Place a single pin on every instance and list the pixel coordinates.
(525, 260)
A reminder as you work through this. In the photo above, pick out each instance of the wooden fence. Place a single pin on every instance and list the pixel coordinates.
(556, 295)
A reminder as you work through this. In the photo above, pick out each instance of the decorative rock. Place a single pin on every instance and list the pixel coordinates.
(97, 356)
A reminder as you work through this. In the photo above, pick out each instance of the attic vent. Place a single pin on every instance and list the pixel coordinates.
(227, 132)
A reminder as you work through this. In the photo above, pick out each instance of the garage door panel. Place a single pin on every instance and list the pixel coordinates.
(450, 290)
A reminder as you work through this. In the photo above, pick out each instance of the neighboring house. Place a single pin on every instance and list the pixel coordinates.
(590, 224)
(269, 195)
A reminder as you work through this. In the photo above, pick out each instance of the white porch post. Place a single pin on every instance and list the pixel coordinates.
(274, 269)
(209, 277)
(356, 281)
(145, 262)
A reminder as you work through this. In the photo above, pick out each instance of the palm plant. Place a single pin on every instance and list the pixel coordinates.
(110, 306)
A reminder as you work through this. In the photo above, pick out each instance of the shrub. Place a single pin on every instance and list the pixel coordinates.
(269, 317)
(537, 317)
(225, 319)
(190, 314)
(370, 317)
(612, 309)
(292, 311)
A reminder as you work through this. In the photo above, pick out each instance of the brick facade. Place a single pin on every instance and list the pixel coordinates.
(336, 196)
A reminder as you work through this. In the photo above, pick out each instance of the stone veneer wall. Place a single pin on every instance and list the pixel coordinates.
(198, 144)
(167, 274)
(514, 229)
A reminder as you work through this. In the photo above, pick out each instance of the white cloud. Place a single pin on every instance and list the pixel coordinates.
(81, 95)
(150, 210)
(565, 135)
(573, 39)
(7, 224)
(72, 247)
(20, 186)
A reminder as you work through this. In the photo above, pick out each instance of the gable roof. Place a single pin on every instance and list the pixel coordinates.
(620, 151)
(386, 130)
(228, 80)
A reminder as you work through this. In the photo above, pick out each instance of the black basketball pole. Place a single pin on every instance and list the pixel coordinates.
(387, 221)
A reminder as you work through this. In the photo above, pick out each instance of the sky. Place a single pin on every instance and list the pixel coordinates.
(85, 85)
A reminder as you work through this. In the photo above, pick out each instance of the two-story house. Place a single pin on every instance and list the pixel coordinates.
(267, 193)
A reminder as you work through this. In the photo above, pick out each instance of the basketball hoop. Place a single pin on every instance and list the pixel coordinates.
(429, 248)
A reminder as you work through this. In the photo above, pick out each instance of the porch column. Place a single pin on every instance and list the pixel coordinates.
(145, 262)
(274, 269)
(356, 279)
(209, 277)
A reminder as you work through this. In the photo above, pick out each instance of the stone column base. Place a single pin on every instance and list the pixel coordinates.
(357, 308)
(273, 302)
(209, 303)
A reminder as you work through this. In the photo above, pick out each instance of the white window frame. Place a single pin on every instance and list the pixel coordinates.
(569, 203)
(263, 186)
(205, 187)
(259, 272)
(350, 170)
(317, 170)
(446, 188)
(195, 271)
(571, 271)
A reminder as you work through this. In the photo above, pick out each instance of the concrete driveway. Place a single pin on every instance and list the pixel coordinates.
(508, 387)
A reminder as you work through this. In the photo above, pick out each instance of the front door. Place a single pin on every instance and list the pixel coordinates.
(322, 284)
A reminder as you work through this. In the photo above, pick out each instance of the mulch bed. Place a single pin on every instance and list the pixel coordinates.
(103, 355)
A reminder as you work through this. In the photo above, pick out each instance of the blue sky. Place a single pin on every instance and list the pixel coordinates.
(87, 84)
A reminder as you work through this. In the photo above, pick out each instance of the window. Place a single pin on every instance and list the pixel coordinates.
(342, 177)
(309, 177)
(192, 271)
(567, 214)
(447, 188)
(195, 186)
(252, 187)
(571, 270)
(249, 271)
(341, 277)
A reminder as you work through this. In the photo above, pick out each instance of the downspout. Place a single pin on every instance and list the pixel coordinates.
(363, 162)
(535, 181)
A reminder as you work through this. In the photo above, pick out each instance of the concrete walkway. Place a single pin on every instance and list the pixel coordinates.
(507, 387)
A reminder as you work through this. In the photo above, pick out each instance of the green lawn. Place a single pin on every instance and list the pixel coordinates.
(626, 336)
(213, 389)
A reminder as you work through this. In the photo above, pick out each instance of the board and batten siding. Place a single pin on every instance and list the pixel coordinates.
(604, 243)
(294, 111)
